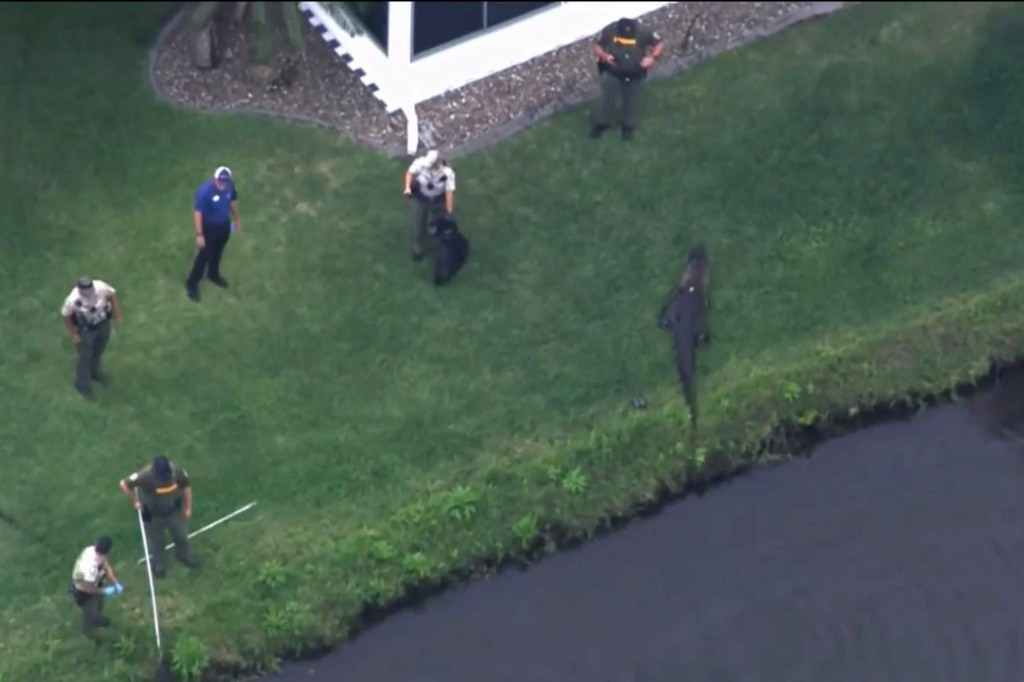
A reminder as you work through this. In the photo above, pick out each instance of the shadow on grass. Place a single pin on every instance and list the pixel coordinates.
(789, 441)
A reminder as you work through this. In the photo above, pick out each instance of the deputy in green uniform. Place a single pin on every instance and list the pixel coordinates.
(164, 493)
(92, 568)
(625, 53)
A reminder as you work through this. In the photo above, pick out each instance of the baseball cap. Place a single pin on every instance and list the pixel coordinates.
(222, 173)
(432, 157)
(84, 283)
(627, 27)
(162, 468)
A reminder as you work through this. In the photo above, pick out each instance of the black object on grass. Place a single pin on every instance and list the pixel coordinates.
(163, 671)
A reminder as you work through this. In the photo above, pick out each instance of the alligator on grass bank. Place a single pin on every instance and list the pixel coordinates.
(684, 314)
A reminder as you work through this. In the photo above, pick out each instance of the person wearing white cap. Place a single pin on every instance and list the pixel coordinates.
(430, 183)
(214, 218)
(87, 311)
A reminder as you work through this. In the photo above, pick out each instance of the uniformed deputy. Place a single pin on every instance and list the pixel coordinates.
(86, 312)
(92, 568)
(625, 54)
(430, 182)
(164, 494)
(214, 217)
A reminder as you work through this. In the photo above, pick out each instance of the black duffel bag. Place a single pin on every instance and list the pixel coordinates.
(452, 249)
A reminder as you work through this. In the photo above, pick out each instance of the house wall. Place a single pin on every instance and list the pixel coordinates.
(489, 52)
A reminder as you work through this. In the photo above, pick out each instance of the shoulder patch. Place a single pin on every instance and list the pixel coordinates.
(134, 477)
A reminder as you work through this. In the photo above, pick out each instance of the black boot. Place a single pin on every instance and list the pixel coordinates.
(189, 561)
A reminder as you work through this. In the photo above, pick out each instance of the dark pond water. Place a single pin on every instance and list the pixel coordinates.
(893, 554)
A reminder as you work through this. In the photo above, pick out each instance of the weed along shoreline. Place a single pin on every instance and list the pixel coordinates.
(974, 345)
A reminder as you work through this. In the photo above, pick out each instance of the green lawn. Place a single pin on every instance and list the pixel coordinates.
(857, 182)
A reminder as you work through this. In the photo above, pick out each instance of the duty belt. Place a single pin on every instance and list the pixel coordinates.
(91, 326)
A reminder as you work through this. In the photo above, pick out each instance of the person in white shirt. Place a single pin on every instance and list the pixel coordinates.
(87, 311)
(430, 183)
(91, 569)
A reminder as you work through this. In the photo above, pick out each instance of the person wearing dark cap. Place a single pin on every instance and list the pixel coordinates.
(92, 569)
(164, 494)
(214, 217)
(87, 311)
(625, 53)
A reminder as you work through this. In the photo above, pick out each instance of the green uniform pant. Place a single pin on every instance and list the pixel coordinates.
(423, 210)
(612, 90)
(92, 615)
(91, 344)
(156, 530)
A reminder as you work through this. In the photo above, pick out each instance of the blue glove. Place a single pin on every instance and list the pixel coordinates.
(120, 589)
(109, 590)
(233, 228)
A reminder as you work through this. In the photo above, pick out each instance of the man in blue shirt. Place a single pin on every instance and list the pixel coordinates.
(215, 217)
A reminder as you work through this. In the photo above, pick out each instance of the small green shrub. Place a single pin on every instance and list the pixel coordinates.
(417, 566)
(526, 529)
(271, 576)
(284, 622)
(575, 482)
(461, 503)
(189, 657)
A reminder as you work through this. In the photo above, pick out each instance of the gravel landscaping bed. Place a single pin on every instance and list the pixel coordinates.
(317, 87)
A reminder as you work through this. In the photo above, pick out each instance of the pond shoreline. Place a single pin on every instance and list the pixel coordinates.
(801, 441)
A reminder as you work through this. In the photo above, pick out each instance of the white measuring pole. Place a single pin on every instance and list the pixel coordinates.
(209, 526)
(149, 573)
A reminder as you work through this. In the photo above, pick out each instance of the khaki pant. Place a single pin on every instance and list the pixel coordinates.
(423, 211)
(157, 528)
(612, 90)
(91, 344)
(92, 613)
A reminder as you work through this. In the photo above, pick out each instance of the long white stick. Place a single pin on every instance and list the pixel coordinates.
(207, 527)
(149, 572)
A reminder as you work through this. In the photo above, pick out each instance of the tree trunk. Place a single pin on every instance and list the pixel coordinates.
(204, 47)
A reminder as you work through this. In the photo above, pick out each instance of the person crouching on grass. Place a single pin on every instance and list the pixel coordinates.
(430, 184)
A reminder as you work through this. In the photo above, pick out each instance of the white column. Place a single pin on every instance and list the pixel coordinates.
(399, 59)
(399, 35)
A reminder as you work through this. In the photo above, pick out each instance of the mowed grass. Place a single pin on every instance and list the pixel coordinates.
(847, 177)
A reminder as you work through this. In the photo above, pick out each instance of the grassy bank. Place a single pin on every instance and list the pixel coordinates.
(857, 182)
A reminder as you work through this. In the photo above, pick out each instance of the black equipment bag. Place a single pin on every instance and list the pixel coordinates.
(452, 249)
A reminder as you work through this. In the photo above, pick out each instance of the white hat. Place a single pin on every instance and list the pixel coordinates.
(222, 173)
(432, 157)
